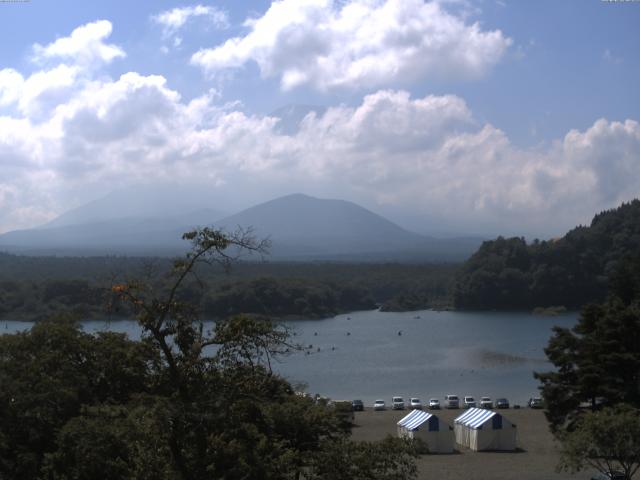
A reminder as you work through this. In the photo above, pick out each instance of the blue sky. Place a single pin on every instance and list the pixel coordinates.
(482, 117)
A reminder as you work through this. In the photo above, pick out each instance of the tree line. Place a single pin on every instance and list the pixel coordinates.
(509, 273)
(81, 286)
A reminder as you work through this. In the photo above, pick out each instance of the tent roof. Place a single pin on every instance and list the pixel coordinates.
(475, 417)
(414, 419)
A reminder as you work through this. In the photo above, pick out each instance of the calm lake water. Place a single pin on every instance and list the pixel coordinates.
(362, 355)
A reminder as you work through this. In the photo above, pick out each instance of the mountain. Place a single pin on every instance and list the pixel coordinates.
(300, 228)
(152, 202)
(122, 236)
(304, 227)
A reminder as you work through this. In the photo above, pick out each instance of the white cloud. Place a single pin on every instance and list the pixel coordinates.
(426, 155)
(84, 46)
(358, 44)
(611, 58)
(69, 134)
(173, 20)
(11, 83)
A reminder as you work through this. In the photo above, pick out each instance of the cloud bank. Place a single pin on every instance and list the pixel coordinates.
(359, 44)
(70, 133)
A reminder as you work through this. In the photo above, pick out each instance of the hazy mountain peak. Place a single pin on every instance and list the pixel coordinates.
(143, 202)
(299, 225)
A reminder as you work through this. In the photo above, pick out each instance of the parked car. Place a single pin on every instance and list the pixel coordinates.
(615, 475)
(451, 401)
(434, 404)
(502, 403)
(379, 405)
(469, 402)
(415, 404)
(485, 402)
(535, 402)
(397, 403)
(357, 405)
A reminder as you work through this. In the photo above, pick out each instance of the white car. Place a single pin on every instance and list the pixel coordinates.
(434, 404)
(415, 404)
(379, 405)
(398, 403)
(485, 402)
(469, 402)
(451, 401)
(536, 402)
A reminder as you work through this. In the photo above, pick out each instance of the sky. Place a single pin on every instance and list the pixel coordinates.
(488, 117)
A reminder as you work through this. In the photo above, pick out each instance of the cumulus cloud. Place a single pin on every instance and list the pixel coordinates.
(358, 43)
(426, 155)
(11, 83)
(173, 20)
(69, 134)
(84, 46)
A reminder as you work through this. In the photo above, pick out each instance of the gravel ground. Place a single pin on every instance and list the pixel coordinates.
(536, 458)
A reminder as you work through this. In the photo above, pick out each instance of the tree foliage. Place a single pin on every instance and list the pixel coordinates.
(35, 288)
(182, 403)
(608, 441)
(598, 367)
(509, 273)
(598, 360)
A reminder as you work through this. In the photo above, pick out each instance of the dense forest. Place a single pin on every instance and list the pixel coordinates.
(509, 273)
(33, 288)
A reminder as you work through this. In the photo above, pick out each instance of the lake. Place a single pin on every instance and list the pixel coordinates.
(423, 354)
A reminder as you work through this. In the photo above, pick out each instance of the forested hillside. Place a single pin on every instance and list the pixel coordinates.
(509, 273)
(33, 288)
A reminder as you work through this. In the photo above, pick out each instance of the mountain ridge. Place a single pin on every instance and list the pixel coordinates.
(301, 227)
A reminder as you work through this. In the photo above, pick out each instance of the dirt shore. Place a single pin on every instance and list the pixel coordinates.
(536, 457)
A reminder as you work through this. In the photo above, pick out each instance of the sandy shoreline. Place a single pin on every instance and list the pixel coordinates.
(536, 458)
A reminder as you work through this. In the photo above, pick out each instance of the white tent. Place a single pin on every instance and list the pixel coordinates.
(480, 429)
(423, 425)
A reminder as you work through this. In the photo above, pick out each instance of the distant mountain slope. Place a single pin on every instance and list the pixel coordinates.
(300, 227)
(140, 202)
(570, 271)
(307, 227)
(130, 236)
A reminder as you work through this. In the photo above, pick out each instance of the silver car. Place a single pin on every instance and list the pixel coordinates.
(379, 405)
(398, 403)
(485, 402)
(451, 401)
